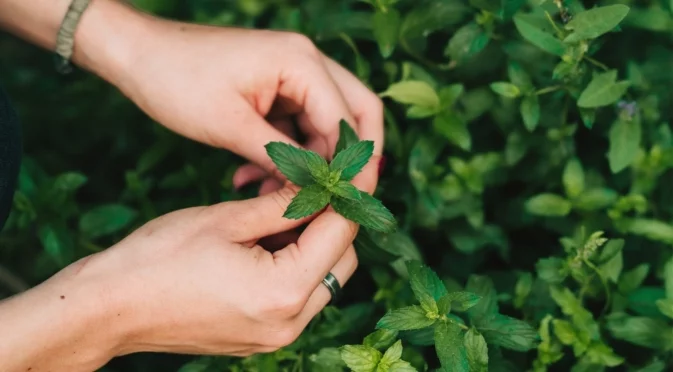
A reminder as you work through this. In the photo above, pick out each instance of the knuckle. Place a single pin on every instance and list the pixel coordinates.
(374, 102)
(302, 43)
(285, 305)
(283, 336)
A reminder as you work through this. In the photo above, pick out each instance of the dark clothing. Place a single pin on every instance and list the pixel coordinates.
(10, 155)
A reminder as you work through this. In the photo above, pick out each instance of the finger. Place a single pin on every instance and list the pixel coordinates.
(258, 134)
(248, 173)
(252, 219)
(365, 105)
(318, 249)
(321, 296)
(311, 86)
(270, 185)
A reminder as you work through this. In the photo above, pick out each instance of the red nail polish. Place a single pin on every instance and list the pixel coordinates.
(382, 165)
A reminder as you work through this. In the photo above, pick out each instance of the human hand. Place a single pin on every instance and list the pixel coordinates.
(194, 281)
(237, 88)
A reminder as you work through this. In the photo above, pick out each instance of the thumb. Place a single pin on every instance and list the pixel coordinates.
(259, 217)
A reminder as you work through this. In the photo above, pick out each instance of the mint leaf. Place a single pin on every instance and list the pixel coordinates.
(393, 353)
(537, 36)
(665, 306)
(347, 137)
(291, 162)
(308, 201)
(632, 279)
(466, 42)
(463, 301)
(368, 212)
(317, 166)
(593, 23)
(386, 26)
(573, 178)
(450, 347)
(509, 333)
(360, 358)
(548, 205)
(406, 318)
(477, 351)
(401, 366)
(352, 159)
(530, 111)
(624, 139)
(413, 92)
(505, 89)
(380, 339)
(552, 270)
(602, 90)
(106, 219)
(424, 280)
(346, 190)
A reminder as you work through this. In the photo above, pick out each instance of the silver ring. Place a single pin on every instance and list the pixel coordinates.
(333, 285)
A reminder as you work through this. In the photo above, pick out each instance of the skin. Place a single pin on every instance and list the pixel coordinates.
(201, 280)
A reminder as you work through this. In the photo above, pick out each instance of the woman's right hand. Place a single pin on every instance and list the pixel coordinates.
(193, 281)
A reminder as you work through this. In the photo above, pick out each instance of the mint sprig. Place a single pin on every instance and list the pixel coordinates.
(324, 183)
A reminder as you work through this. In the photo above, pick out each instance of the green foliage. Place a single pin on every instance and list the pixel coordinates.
(323, 184)
(529, 153)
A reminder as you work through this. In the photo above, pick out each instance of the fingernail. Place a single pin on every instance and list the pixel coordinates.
(382, 164)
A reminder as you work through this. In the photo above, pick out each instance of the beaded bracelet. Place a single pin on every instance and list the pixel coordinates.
(65, 40)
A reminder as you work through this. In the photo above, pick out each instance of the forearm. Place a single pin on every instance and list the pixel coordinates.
(64, 324)
(104, 40)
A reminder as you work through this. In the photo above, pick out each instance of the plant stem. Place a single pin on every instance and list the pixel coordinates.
(548, 89)
(596, 63)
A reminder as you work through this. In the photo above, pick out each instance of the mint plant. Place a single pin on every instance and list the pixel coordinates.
(324, 183)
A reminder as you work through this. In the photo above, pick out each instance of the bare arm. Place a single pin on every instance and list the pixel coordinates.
(104, 37)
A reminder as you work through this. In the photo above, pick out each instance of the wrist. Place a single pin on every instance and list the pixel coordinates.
(67, 323)
(107, 39)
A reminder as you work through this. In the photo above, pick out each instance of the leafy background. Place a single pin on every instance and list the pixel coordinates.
(529, 154)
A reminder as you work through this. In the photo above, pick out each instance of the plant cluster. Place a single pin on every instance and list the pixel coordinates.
(528, 219)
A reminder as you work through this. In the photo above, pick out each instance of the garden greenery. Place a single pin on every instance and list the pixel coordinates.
(529, 158)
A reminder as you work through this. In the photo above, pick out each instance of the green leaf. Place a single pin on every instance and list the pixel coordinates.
(347, 137)
(602, 92)
(488, 305)
(450, 347)
(632, 279)
(463, 301)
(386, 30)
(106, 219)
(506, 89)
(360, 358)
(509, 333)
(317, 167)
(552, 270)
(57, 243)
(308, 201)
(425, 280)
(646, 332)
(466, 42)
(530, 111)
(70, 181)
(413, 92)
(603, 355)
(573, 178)
(444, 305)
(453, 128)
(351, 160)
(346, 190)
(538, 37)
(565, 332)
(549, 205)
(401, 366)
(406, 318)
(596, 199)
(595, 22)
(380, 339)
(665, 307)
(624, 139)
(291, 162)
(368, 212)
(477, 351)
(393, 353)
(518, 76)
